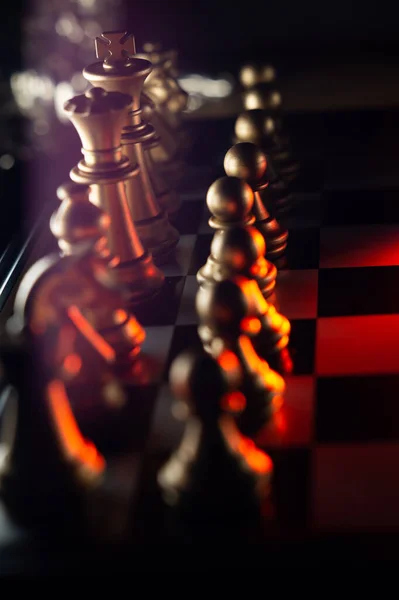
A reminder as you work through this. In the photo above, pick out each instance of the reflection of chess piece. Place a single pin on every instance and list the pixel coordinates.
(237, 248)
(224, 325)
(122, 72)
(49, 473)
(98, 117)
(77, 299)
(247, 161)
(215, 474)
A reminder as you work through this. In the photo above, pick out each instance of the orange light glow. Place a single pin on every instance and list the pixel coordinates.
(114, 262)
(134, 331)
(72, 364)
(271, 378)
(287, 364)
(277, 403)
(255, 458)
(228, 361)
(73, 443)
(279, 423)
(251, 325)
(120, 316)
(95, 339)
(234, 402)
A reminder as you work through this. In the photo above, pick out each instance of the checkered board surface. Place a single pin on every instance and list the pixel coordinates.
(335, 443)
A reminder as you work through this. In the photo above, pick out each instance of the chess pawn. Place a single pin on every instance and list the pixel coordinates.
(279, 198)
(251, 75)
(98, 117)
(49, 473)
(236, 249)
(259, 127)
(270, 330)
(77, 292)
(224, 325)
(247, 161)
(215, 474)
(120, 72)
(78, 224)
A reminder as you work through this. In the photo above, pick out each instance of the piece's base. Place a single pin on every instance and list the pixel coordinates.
(275, 237)
(158, 237)
(140, 279)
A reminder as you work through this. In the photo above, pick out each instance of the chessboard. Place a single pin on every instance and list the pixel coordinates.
(334, 444)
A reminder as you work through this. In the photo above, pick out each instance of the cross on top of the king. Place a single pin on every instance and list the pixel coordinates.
(114, 46)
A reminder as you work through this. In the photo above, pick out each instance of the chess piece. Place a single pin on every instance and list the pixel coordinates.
(237, 248)
(247, 161)
(163, 87)
(251, 75)
(262, 321)
(78, 224)
(78, 293)
(215, 474)
(166, 155)
(49, 473)
(259, 127)
(224, 325)
(98, 117)
(121, 72)
(163, 159)
(264, 97)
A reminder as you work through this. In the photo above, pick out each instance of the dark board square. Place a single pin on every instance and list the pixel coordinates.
(303, 248)
(310, 177)
(360, 207)
(200, 253)
(163, 308)
(302, 346)
(357, 409)
(189, 216)
(290, 488)
(358, 291)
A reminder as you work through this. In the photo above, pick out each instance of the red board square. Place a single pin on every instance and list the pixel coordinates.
(356, 488)
(362, 246)
(296, 293)
(357, 345)
(293, 424)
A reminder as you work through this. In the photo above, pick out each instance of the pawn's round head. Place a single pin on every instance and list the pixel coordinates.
(251, 75)
(197, 380)
(230, 199)
(78, 221)
(262, 97)
(239, 251)
(254, 125)
(246, 161)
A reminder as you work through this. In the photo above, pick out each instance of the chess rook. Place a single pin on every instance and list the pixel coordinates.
(98, 117)
(237, 248)
(121, 72)
(247, 161)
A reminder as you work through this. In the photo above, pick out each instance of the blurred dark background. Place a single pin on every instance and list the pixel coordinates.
(328, 55)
